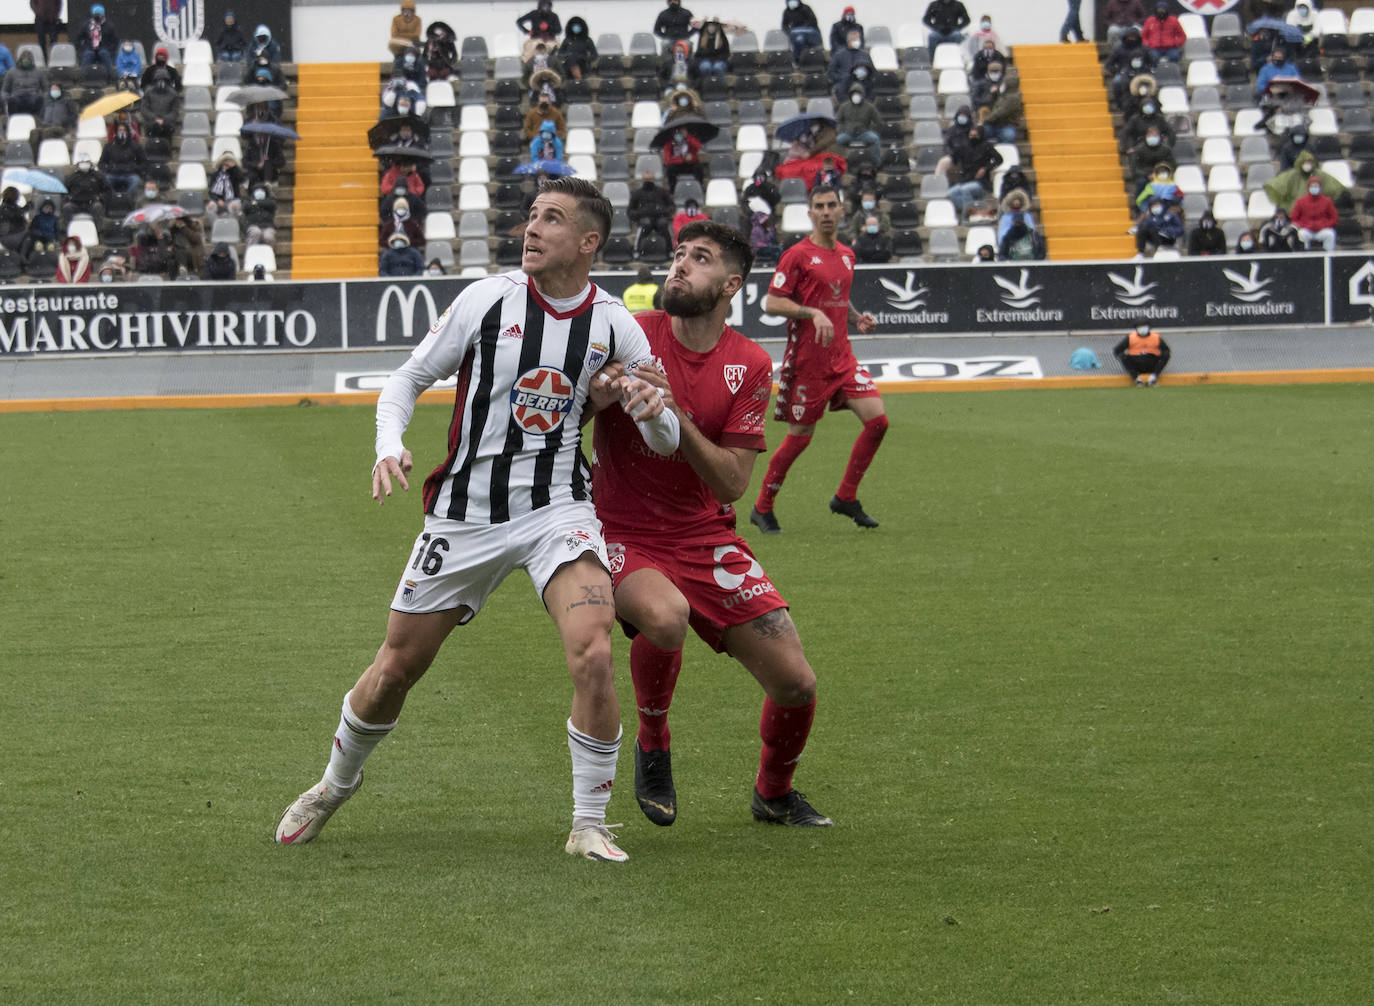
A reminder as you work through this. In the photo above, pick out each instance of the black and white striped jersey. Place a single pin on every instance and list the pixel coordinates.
(522, 363)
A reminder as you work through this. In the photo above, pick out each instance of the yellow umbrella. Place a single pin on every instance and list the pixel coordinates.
(110, 103)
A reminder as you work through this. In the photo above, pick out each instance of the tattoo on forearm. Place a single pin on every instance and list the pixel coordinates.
(774, 625)
(596, 596)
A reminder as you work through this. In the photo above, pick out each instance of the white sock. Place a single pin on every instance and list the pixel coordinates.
(353, 742)
(593, 764)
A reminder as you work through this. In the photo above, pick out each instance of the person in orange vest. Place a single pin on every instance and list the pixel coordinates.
(1143, 355)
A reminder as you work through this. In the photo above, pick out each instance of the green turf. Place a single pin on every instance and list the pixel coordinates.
(1094, 722)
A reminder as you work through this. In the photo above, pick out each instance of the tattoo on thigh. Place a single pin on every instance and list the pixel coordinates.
(774, 625)
(595, 596)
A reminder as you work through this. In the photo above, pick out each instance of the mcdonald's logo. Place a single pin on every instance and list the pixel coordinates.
(407, 302)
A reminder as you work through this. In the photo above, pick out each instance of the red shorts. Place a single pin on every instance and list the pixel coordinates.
(804, 395)
(724, 584)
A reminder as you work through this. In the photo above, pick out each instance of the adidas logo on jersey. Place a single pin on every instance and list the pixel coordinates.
(513, 333)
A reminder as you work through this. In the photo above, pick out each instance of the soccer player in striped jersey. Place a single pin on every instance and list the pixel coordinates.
(670, 528)
(811, 289)
(513, 491)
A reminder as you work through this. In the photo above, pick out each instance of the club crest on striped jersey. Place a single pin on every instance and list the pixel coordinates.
(734, 376)
(541, 399)
(596, 356)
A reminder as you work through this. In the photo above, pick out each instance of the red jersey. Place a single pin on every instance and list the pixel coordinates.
(725, 392)
(817, 277)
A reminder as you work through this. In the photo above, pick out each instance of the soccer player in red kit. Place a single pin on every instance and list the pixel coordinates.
(670, 527)
(811, 289)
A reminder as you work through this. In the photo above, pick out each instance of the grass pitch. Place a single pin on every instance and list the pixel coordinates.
(1094, 721)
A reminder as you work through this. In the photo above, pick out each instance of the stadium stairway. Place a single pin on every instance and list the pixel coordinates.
(334, 223)
(1069, 124)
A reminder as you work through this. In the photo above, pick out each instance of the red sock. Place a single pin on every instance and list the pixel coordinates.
(870, 438)
(654, 672)
(788, 451)
(784, 730)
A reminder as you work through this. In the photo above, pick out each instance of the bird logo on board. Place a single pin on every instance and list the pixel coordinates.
(541, 399)
(734, 377)
(596, 355)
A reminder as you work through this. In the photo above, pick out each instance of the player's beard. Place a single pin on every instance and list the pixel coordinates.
(682, 304)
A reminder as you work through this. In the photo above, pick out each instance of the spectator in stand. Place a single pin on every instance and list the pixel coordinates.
(440, 53)
(1278, 65)
(946, 20)
(260, 214)
(865, 206)
(872, 246)
(1304, 18)
(160, 110)
(857, 121)
(1147, 155)
(673, 24)
(712, 56)
(1072, 25)
(123, 118)
(801, 27)
(400, 259)
(541, 112)
(682, 156)
(849, 66)
(97, 41)
(1294, 143)
(539, 25)
(1158, 228)
(1143, 355)
(128, 66)
(763, 234)
(546, 146)
(1015, 207)
(1021, 242)
(1278, 234)
(57, 117)
(400, 189)
(984, 34)
(1127, 63)
(1285, 188)
(1163, 35)
(642, 293)
(974, 165)
(1002, 111)
(152, 251)
(224, 189)
(761, 187)
(988, 53)
(405, 29)
(1206, 238)
(401, 97)
(651, 211)
(577, 53)
(956, 141)
(262, 156)
(682, 102)
(6, 59)
(1161, 186)
(1246, 244)
(74, 264)
(1146, 118)
(985, 254)
(263, 46)
(231, 43)
(124, 163)
(43, 232)
(219, 264)
(47, 19)
(402, 168)
(434, 268)
(24, 86)
(14, 222)
(1315, 217)
(410, 65)
(1120, 16)
(691, 211)
(401, 222)
(675, 68)
(839, 31)
(87, 190)
(160, 67)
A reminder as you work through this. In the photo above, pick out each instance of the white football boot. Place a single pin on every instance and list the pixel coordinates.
(595, 841)
(304, 818)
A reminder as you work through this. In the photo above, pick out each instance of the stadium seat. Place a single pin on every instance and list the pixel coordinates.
(1332, 21)
(226, 229)
(1356, 120)
(53, 154)
(197, 75)
(953, 81)
(196, 124)
(1210, 124)
(1254, 149)
(580, 141)
(795, 219)
(1224, 178)
(976, 238)
(1217, 150)
(941, 213)
(1258, 173)
(1193, 25)
(197, 51)
(260, 255)
(226, 145)
(1259, 207)
(473, 171)
(584, 166)
(1361, 21)
(83, 226)
(1202, 73)
(784, 108)
(474, 197)
(1322, 122)
(792, 190)
(748, 163)
(473, 144)
(1340, 170)
(439, 227)
(646, 115)
(1011, 154)
(193, 148)
(439, 94)
(191, 177)
(947, 56)
(934, 186)
(1173, 101)
(228, 123)
(1248, 122)
(721, 192)
(20, 125)
(944, 244)
(1189, 178)
(750, 137)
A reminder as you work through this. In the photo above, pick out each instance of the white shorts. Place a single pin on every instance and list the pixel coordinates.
(455, 564)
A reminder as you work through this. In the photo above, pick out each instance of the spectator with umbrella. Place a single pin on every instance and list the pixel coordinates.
(1266, 32)
(441, 55)
(813, 139)
(263, 157)
(679, 145)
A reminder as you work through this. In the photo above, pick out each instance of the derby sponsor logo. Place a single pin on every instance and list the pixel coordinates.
(1135, 301)
(407, 300)
(95, 323)
(1021, 297)
(541, 400)
(1253, 296)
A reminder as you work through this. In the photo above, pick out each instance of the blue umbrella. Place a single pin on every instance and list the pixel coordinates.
(1285, 31)
(271, 129)
(548, 167)
(795, 127)
(39, 181)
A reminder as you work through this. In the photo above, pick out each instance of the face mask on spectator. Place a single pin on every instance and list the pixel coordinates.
(871, 228)
(1300, 139)
(792, 4)
(994, 75)
(1246, 244)
(1156, 209)
(1152, 140)
(55, 93)
(83, 166)
(403, 107)
(985, 24)
(150, 193)
(1149, 108)
(106, 276)
(259, 194)
(410, 59)
(854, 43)
(868, 203)
(1137, 63)
(1207, 225)
(1315, 190)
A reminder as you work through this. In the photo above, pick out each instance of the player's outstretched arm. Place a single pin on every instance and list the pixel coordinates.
(786, 307)
(725, 470)
(387, 469)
